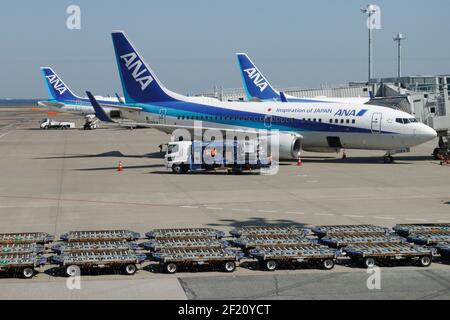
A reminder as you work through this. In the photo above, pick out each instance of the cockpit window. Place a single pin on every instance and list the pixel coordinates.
(406, 121)
(413, 120)
(398, 120)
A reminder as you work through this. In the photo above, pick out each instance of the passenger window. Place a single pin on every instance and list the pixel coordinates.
(353, 121)
(348, 121)
(331, 120)
(336, 121)
(342, 120)
(320, 120)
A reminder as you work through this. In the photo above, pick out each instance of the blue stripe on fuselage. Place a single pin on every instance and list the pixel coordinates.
(182, 108)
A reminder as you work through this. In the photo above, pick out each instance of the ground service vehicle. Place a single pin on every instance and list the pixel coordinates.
(52, 124)
(234, 156)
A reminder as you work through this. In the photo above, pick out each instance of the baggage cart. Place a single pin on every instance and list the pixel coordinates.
(405, 230)
(24, 264)
(172, 259)
(26, 237)
(182, 243)
(270, 231)
(369, 255)
(125, 261)
(186, 233)
(100, 235)
(271, 258)
(100, 246)
(26, 248)
(429, 239)
(339, 241)
(364, 229)
(444, 251)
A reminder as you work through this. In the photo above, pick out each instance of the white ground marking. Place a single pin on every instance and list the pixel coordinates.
(324, 214)
(240, 209)
(444, 221)
(353, 216)
(291, 212)
(413, 219)
(1, 136)
(267, 211)
(214, 208)
(384, 218)
(189, 207)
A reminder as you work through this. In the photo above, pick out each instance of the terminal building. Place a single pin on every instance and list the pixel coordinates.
(425, 97)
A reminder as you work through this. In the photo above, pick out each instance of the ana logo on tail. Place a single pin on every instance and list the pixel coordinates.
(56, 83)
(257, 78)
(132, 62)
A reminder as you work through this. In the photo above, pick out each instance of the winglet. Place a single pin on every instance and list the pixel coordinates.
(283, 97)
(99, 112)
(120, 99)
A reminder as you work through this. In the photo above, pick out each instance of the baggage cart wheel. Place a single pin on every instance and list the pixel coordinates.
(71, 271)
(27, 273)
(328, 264)
(270, 265)
(229, 266)
(425, 261)
(369, 262)
(171, 267)
(130, 269)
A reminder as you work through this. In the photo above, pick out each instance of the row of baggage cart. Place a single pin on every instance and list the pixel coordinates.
(270, 246)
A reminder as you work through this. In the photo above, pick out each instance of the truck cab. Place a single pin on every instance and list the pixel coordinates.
(178, 155)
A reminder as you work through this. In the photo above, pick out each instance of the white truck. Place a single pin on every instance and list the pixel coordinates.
(52, 124)
(234, 156)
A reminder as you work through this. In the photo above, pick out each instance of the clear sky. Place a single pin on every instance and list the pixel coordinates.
(191, 45)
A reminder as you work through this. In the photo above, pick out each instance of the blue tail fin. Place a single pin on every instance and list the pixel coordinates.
(99, 112)
(56, 88)
(138, 80)
(255, 85)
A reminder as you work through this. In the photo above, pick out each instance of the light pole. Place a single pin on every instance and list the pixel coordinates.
(399, 39)
(370, 10)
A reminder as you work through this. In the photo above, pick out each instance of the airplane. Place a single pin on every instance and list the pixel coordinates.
(308, 126)
(61, 98)
(257, 87)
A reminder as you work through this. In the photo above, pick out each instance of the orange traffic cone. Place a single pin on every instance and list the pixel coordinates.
(299, 162)
(120, 166)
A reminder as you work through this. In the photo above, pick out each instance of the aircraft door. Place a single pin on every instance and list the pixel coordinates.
(162, 116)
(268, 122)
(376, 122)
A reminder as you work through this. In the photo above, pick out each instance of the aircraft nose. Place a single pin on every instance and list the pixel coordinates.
(427, 132)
